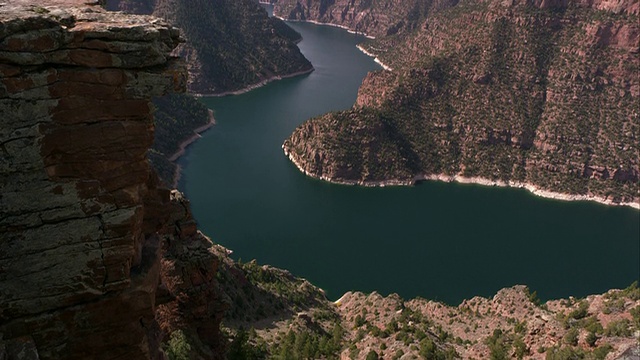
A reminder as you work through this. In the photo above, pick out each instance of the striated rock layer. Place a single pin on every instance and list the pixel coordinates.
(374, 18)
(82, 219)
(542, 95)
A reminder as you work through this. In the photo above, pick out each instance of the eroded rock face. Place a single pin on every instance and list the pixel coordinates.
(79, 251)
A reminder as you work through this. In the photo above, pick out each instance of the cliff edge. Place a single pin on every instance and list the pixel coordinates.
(83, 222)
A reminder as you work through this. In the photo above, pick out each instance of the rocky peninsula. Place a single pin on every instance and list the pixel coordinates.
(536, 95)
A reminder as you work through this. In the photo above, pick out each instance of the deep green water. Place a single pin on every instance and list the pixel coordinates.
(436, 240)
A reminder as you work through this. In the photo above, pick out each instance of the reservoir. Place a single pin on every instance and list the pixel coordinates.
(437, 240)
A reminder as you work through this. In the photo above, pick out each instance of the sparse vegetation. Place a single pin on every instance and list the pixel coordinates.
(178, 347)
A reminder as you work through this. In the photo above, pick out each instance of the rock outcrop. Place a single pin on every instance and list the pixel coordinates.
(542, 95)
(188, 298)
(291, 318)
(83, 222)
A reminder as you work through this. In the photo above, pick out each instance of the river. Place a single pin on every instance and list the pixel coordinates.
(437, 240)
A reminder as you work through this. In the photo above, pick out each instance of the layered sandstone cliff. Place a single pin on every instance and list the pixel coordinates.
(83, 222)
(542, 95)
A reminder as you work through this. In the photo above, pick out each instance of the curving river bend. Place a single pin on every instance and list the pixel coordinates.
(437, 240)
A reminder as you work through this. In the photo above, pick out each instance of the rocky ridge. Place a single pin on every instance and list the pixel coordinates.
(389, 17)
(273, 314)
(543, 95)
(512, 324)
(375, 19)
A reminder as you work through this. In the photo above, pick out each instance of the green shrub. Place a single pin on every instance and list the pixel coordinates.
(520, 348)
(591, 339)
(618, 328)
(498, 345)
(178, 347)
(372, 355)
(571, 337)
(635, 314)
(581, 312)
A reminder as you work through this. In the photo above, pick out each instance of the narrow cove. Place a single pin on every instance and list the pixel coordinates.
(437, 240)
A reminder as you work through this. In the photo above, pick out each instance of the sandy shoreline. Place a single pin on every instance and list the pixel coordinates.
(375, 58)
(197, 131)
(327, 24)
(465, 180)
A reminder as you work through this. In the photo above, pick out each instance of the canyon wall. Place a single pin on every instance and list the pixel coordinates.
(374, 18)
(83, 222)
(219, 34)
(542, 95)
(388, 17)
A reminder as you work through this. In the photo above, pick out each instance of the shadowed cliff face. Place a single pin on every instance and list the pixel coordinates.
(80, 208)
(219, 36)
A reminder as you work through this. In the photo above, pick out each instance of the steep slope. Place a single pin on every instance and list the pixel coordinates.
(230, 45)
(520, 94)
(381, 18)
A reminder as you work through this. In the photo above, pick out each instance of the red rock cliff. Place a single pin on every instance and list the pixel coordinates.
(80, 210)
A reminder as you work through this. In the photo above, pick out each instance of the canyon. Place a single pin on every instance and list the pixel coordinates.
(99, 260)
